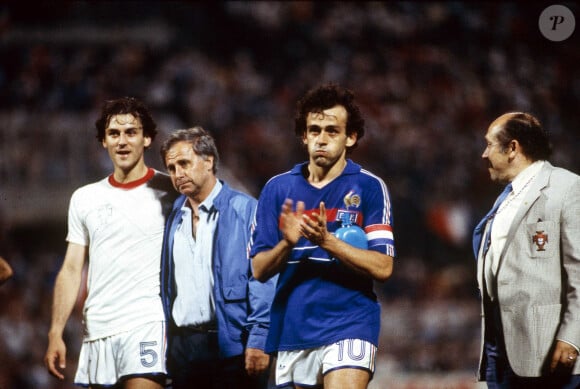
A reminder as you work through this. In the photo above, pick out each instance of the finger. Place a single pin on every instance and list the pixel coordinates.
(250, 366)
(553, 364)
(305, 229)
(249, 363)
(58, 374)
(571, 356)
(52, 369)
(62, 360)
(322, 211)
(555, 360)
(48, 362)
(299, 209)
(308, 220)
(315, 221)
(287, 206)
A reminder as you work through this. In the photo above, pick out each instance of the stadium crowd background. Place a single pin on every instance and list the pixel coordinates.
(430, 77)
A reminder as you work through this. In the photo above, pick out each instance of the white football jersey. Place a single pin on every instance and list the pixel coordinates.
(123, 228)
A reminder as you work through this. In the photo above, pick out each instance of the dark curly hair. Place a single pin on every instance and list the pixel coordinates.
(324, 97)
(125, 105)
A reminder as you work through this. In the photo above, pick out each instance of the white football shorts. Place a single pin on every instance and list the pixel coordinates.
(139, 352)
(308, 367)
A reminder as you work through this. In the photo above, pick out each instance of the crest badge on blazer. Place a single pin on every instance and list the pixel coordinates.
(540, 239)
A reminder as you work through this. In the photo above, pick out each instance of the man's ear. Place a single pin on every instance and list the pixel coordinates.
(147, 142)
(513, 146)
(351, 139)
(210, 161)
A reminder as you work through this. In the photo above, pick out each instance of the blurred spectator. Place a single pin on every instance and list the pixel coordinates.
(5, 271)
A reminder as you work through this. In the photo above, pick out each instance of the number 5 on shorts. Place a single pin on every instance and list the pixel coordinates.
(148, 355)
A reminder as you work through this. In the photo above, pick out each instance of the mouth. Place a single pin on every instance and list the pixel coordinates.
(180, 183)
(123, 153)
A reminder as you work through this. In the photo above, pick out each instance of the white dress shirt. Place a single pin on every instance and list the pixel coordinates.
(194, 303)
(503, 220)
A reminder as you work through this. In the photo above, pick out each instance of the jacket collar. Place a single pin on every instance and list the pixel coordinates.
(218, 201)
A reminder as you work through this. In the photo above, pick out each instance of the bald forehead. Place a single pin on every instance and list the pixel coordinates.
(498, 124)
(506, 117)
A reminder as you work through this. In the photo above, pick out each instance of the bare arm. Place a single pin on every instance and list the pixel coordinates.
(268, 263)
(66, 290)
(5, 271)
(371, 263)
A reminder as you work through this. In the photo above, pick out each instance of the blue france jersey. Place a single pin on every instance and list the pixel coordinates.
(318, 300)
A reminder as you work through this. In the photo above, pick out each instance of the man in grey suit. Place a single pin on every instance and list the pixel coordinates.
(528, 262)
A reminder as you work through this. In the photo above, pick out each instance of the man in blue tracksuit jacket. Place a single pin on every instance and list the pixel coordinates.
(221, 346)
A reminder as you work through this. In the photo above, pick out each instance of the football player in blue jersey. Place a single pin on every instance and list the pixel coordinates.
(325, 318)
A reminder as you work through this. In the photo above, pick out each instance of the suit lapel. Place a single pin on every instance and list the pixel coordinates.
(540, 182)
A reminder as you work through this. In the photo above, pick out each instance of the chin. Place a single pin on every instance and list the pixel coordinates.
(322, 162)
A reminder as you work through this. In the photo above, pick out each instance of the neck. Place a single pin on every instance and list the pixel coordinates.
(194, 207)
(195, 199)
(319, 176)
(124, 176)
(519, 167)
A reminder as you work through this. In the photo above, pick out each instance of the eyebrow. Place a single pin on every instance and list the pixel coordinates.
(123, 129)
(325, 126)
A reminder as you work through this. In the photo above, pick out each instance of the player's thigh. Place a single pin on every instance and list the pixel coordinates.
(141, 383)
(348, 364)
(347, 378)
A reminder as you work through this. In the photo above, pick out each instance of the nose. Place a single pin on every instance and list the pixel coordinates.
(322, 138)
(485, 153)
(178, 171)
(122, 139)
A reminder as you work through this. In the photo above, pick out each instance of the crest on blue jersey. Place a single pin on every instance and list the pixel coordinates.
(352, 199)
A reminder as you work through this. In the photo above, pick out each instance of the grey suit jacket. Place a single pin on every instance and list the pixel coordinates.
(538, 279)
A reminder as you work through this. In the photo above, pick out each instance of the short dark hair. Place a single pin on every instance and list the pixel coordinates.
(201, 142)
(324, 97)
(121, 106)
(529, 132)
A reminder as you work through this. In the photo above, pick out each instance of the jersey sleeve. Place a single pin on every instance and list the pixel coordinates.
(266, 232)
(77, 232)
(378, 218)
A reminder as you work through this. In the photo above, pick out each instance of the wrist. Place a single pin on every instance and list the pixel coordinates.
(287, 243)
(55, 334)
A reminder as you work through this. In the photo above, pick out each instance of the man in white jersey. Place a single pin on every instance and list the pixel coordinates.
(117, 224)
